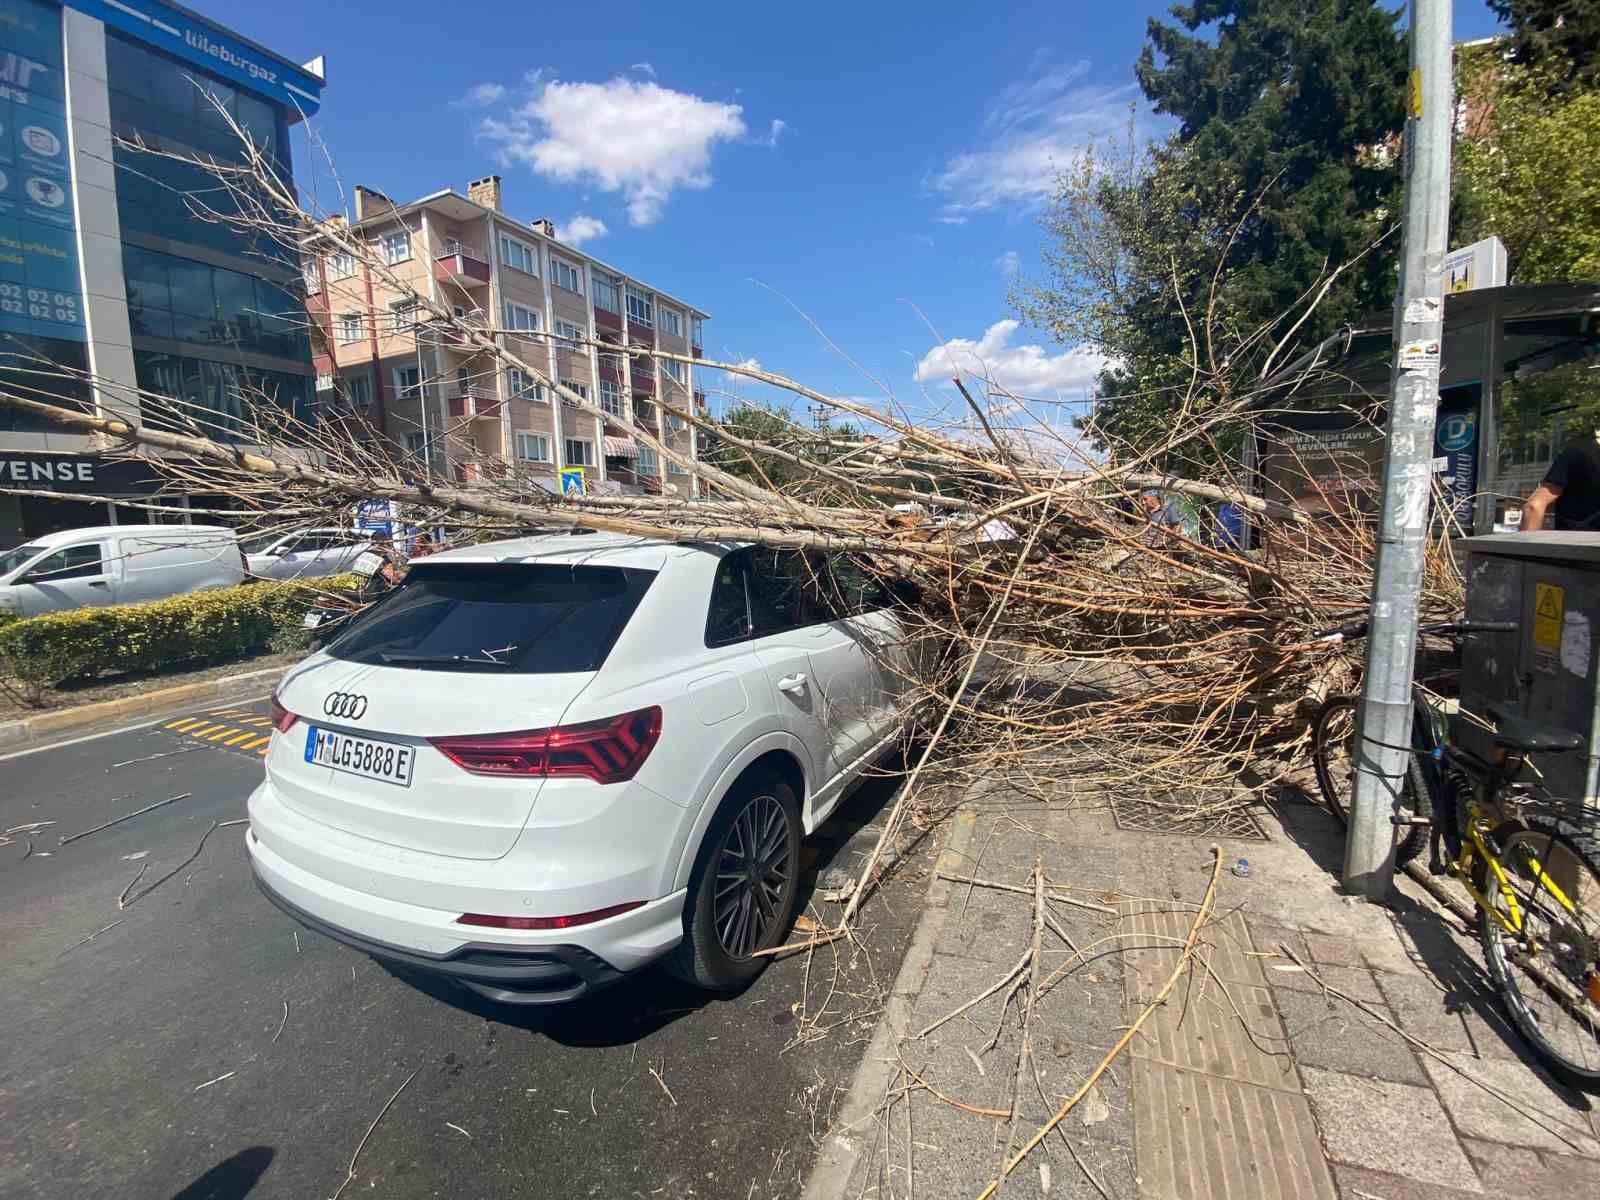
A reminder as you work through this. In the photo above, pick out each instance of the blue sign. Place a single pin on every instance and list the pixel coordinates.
(1455, 439)
(40, 288)
(572, 481)
(223, 55)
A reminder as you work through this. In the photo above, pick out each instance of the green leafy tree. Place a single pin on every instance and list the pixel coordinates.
(757, 423)
(1559, 37)
(1205, 247)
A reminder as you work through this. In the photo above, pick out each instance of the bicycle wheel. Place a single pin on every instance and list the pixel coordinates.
(1333, 741)
(1549, 975)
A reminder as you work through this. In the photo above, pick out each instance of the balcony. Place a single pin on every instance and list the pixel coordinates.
(461, 265)
(473, 403)
(644, 381)
(476, 322)
(606, 319)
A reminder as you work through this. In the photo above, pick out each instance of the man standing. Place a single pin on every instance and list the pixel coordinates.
(1572, 484)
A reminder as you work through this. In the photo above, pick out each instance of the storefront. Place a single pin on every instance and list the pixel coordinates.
(42, 493)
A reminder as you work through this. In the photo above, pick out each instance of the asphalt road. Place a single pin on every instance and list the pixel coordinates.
(147, 1052)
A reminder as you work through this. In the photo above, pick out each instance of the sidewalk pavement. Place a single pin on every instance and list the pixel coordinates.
(1251, 1081)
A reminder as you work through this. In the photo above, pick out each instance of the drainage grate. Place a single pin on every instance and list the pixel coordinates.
(1187, 816)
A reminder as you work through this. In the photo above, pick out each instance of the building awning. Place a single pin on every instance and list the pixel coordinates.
(621, 447)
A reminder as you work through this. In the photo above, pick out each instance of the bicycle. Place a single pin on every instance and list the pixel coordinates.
(1529, 860)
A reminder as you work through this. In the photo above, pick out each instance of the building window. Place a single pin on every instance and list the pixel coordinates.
(358, 390)
(396, 247)
(640, 310)
(674, 370)
(534, 447)
(697, 332)
(677, 423)
(415, 443)
(521, 319)
(611, 397)
(573, 385)
(648, 463)
(403, 315)
(676, 468)
(579, 453)
(347, 328)
(605, 292)
(519, 384)
(407, 383)
(325, 382)
(671, 322)
(519, 256)
(569, 331)
(312, 276)
(565, 275)
(341, 265)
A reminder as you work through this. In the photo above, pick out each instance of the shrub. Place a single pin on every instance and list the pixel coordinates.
(216, 626)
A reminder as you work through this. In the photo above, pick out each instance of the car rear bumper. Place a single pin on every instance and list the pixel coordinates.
(547, 975)
(510, 966)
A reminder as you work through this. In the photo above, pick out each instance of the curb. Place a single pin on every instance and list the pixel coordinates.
(841, 1152)
(88, 718)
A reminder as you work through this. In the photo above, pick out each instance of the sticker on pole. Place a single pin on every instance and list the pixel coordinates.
(1419, 356)
(1423, 308)
(1549, 603)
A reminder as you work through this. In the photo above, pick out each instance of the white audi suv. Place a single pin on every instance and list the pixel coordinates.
(541, 764)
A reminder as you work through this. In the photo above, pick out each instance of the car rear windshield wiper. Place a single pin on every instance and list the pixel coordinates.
(442, 660)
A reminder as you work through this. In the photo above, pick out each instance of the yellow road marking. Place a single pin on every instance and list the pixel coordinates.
(222, 733)
(254, 744)
(230, 712)
(262, 751)
(185, 724)
(261, 722)
(238, 737)
(196, 730)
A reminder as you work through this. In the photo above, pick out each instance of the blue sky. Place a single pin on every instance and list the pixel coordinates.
(879, 168)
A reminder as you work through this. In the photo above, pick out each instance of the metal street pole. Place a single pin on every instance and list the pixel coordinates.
(1384, 722)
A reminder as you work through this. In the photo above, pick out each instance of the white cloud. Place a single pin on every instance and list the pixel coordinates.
(1027, 371)
(644, 68)
(1035, 129)
(627, 136)
(778, 128)
(481, 95)
(952, 220)
(581, 228)
(1009, 263)
(749, 364)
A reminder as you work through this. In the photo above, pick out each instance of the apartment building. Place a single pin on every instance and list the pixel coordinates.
(109, 281)
(453, 409)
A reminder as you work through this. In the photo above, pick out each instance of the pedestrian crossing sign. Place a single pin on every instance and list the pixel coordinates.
(572, 482)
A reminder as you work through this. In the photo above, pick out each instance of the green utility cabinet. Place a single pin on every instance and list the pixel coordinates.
(1548, 584)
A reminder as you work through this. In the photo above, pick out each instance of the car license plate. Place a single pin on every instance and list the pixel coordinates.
(367, 757)
(367, 563)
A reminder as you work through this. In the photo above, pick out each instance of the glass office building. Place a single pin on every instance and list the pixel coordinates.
(117, 259)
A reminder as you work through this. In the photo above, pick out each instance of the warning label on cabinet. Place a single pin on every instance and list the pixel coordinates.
(1549, 602)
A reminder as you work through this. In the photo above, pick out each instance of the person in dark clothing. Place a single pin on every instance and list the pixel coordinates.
(1572, 485)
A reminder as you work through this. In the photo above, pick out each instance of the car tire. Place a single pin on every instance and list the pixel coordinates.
(722, 932)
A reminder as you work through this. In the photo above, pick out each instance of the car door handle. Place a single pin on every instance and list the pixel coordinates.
(792, 683)
(99, 583)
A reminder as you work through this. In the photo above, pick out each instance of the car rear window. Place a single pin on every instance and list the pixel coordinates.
(499, 617)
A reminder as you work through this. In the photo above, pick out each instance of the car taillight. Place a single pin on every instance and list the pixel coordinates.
(608, 751)
(282, 719)
(490, 921)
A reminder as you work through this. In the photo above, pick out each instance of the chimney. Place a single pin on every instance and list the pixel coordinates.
(546, 226)
(370, 203)
(485, 191)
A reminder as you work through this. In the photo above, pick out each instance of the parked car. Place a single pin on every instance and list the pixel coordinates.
(303, 553)
(117, 564)
(541, 764)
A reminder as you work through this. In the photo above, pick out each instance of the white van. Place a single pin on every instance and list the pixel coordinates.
(117, 564)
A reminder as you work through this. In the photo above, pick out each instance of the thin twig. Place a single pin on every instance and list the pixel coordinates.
(350, 1172)
(215, 825)
(1128, 1035)
(218, 1079)
(281, 1023)
(143, 867)
(94, 935)
(126, 817)
(664, 1086)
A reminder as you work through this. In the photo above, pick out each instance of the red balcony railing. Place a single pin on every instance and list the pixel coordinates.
(461, 265)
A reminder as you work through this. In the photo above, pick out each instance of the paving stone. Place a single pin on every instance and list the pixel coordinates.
(1155, 932)
(1199, 1136)
(1534, 1173)
(1268, 935)
(1336, 951)
(1386, 1126)
(1426, 1010)
(1479, 1114)
(1234, 1034)
(1358, 1183)
(1329, 1032)
(1354, 981)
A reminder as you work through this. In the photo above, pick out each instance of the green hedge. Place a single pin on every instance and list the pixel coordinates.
(216, 626)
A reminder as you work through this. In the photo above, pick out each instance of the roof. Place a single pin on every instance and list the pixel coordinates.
(70, 535)
(609, 549)
(450, 199)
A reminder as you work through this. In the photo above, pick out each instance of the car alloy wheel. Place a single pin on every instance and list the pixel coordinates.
(752, 877)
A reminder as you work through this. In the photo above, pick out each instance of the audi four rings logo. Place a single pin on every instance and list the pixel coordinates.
(345, 704)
